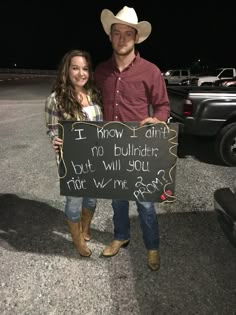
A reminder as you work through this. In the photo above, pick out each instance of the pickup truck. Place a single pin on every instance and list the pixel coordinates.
(207, 111)
(176, 76)
(210, 77)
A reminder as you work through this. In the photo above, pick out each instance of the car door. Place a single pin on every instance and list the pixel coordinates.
(184, 75)
(175, 77)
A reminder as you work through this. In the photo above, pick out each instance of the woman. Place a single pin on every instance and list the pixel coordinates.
(74, 97)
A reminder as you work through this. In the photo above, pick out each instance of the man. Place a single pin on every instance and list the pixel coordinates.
(129, 84)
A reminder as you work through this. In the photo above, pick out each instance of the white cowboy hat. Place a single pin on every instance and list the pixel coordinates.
(126, 16)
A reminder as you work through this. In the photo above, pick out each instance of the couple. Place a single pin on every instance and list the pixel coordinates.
(125, 86)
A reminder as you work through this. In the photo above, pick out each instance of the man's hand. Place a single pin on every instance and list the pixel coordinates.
(149, 120)
(56, 144)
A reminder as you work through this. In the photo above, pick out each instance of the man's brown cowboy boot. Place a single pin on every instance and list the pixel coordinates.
(114, 247)
(153, 259)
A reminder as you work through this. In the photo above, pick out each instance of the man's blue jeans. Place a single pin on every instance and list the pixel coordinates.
(147, 218)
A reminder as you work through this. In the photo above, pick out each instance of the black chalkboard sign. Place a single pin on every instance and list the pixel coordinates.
(115, 160)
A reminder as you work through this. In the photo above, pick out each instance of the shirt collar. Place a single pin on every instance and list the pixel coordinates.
(136, 58)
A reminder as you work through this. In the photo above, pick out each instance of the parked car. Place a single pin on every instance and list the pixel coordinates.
(226, 82)
(230, 82)
(176, 76)
(210, 77)
(207, 112)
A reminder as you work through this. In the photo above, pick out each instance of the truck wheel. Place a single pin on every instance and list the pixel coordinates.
(226, 144)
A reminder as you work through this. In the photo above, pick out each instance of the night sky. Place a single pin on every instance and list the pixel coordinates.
(36, 35)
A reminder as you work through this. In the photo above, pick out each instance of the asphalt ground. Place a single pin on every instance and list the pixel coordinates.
(40, 271)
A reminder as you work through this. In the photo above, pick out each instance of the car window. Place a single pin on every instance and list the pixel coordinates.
(227, 73)
(176, 73)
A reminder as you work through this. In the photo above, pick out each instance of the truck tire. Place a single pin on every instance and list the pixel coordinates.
(226, 144)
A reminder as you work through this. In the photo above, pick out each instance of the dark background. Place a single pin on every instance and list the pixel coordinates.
(35, 34)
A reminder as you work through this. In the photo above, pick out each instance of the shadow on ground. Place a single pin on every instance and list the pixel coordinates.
(33, 226)
(197, 274)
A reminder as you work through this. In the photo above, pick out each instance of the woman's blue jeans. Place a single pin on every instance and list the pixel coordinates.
(74, 206)
(147, 218)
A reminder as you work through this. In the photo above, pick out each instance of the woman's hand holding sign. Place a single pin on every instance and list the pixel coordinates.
(57, 143)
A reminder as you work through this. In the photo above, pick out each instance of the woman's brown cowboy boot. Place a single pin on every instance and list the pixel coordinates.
(78, 239)
(86, 219)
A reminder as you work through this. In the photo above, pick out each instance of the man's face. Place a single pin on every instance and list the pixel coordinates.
(123, 38)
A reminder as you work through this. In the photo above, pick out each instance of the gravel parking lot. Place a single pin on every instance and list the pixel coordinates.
(40, 271)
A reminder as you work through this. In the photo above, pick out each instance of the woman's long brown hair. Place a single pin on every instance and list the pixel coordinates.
(66, 95)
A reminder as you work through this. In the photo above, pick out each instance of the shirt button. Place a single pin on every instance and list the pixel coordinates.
(117, 104)
(117, 91)
(119, 78)
(116, 117)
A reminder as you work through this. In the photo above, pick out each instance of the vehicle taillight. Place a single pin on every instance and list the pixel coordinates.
(188, 108)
